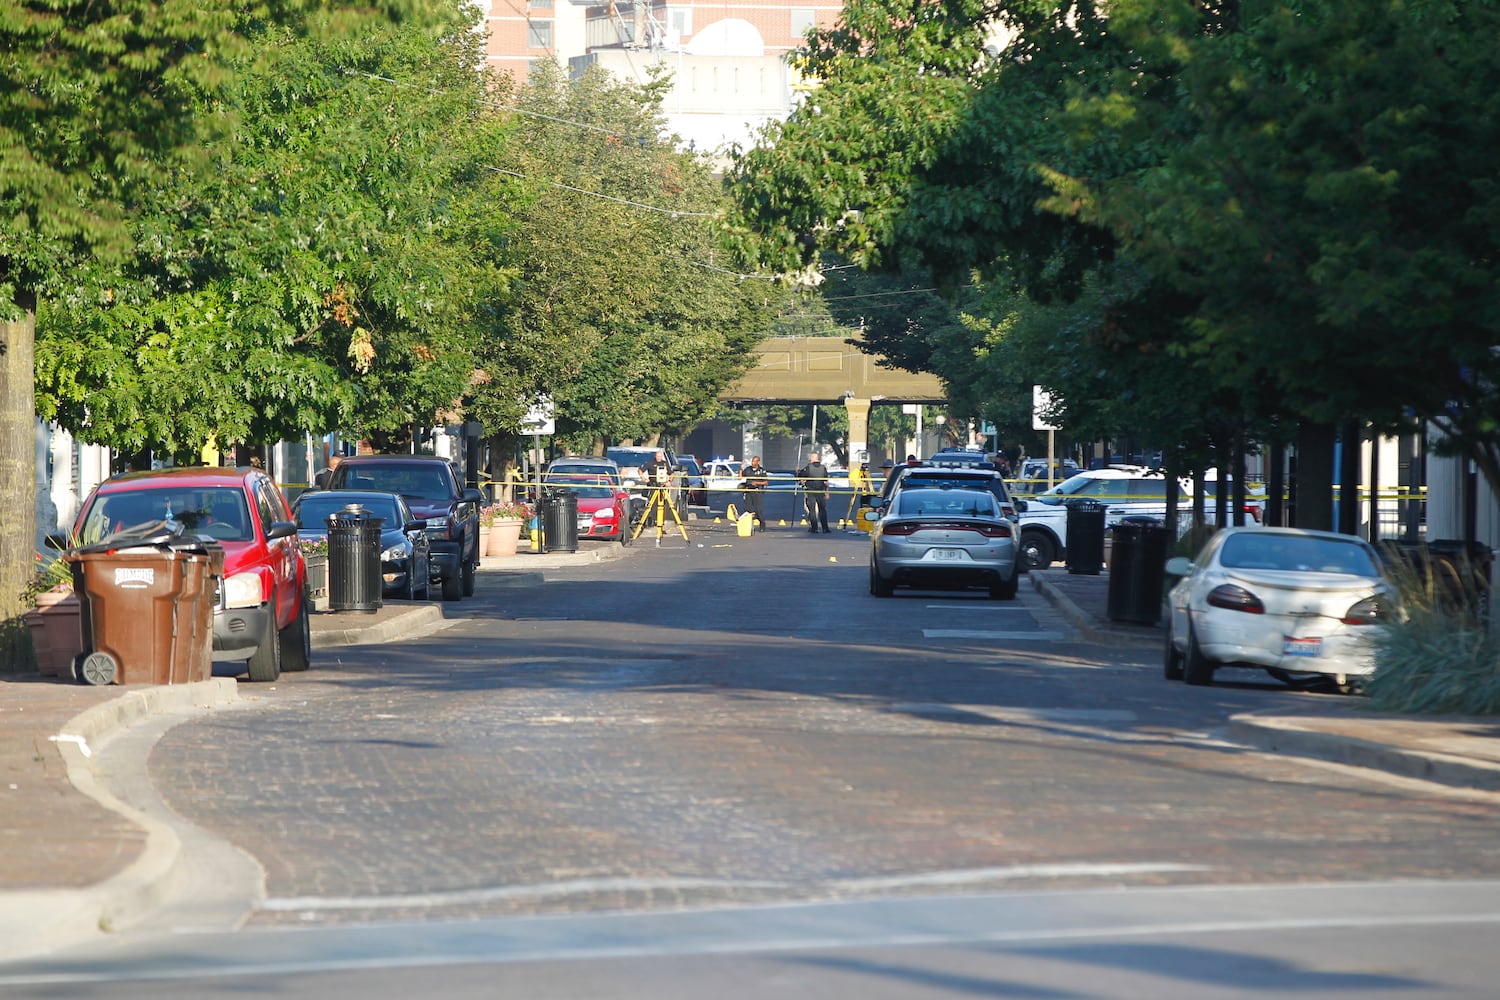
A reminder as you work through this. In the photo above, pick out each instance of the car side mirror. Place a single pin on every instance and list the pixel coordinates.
(414, 525)
(1179, 566)
(472, 495)
(1021, 505)
(281, 529)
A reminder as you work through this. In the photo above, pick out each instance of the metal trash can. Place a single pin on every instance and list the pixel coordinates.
(354, 582)
(146, 608)
(1086, 538)
(560, 520)
(1137, 570)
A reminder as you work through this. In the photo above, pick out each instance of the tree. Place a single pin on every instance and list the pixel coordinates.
(98, 104)
(328, 272)
(622, 317)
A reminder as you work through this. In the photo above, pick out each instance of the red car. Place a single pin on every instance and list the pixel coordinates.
(261, 617)
(603, 512)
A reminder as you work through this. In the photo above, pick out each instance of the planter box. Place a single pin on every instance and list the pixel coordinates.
(56, 632)
(317, 582)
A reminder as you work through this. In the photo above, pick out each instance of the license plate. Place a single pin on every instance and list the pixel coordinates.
(949, 555)
(1303, 647)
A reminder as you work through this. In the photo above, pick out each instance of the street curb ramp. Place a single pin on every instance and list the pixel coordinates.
(37, 921)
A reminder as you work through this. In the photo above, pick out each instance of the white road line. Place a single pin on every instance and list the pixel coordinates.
(960, 633)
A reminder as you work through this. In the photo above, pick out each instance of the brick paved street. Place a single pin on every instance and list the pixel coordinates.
(742, 722)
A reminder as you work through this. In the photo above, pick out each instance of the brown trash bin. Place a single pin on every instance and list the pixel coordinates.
(148, 606)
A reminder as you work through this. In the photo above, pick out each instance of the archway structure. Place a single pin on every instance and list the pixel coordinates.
(830, 370)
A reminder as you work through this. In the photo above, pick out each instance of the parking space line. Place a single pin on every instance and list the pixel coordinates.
(959, 633)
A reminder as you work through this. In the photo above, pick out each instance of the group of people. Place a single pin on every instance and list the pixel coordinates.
(813, 479)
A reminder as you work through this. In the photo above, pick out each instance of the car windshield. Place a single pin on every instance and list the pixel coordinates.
(918, 502)
(580, 473)
(1296, 553)
(410, 479)
(219, 511)
(313, 509)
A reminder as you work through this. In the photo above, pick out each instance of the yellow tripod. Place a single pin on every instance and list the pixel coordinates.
(661, 503)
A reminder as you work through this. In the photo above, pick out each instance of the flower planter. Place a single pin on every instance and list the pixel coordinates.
(504, 537)
(56, 632)
(317, 582)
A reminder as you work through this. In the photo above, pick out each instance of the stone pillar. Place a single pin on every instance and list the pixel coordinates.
(858, 437)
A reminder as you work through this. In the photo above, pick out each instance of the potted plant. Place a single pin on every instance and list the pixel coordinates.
(56, 628)
(504, 521)
(315, 554)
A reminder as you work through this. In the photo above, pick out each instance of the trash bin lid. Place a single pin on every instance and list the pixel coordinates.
(164, 535)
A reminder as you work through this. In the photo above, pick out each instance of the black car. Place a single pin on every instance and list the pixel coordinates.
(434, 489)
(405, 554)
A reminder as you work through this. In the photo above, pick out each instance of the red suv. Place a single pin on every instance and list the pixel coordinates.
(260, 618)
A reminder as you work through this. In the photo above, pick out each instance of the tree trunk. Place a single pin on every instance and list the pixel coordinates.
(18, 542)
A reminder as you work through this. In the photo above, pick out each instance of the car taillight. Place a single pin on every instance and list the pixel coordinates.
(899, 528)
(995, 530)
(1233, 598)
(1370, 611)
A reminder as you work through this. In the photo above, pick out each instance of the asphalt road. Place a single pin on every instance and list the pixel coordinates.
(722, 766)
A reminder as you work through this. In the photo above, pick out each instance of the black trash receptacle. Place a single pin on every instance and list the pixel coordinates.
(542, 508)
(1137, 570)
(560, 521)
(354, 582)
(1085, 538)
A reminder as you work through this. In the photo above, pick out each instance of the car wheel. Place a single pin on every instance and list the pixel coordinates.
(879, 585)
(466, 578)
(1006, 589)
(1171, 665)
(1037, 551)
(296, 641)
(1197, 669)
(265, 663)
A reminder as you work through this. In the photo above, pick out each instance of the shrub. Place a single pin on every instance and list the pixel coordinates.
(1439, 658)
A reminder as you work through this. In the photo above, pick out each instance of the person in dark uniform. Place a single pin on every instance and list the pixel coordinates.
(753, 480)
(814, 479)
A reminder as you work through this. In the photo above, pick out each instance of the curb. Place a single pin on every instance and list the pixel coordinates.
(418, 620)
(43, 920)
(1286, 736)
(1086, 623)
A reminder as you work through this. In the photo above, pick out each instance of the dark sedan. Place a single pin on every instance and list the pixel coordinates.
(405, 564)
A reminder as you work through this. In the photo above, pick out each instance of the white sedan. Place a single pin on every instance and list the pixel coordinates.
(1283, 600)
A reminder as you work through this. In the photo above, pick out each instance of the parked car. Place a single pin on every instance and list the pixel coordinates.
(1284, 600)
(974, 475)
(1125, 493)
(434, 490)
(1033, 472)
(260, 618)
(584, 470)
(695, 486)
(603, 512)
(723, 474)
(630, 458)
(405, 563)
(944, 536)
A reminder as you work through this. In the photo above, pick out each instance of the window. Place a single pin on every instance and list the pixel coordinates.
(803, 20)
(680, 20)
(539, 34)
(539, 4)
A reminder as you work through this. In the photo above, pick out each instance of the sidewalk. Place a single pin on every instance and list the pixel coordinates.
(73, 859)
(1460, 751)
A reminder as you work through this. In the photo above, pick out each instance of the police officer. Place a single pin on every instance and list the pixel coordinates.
(754, 480)
(814, 479)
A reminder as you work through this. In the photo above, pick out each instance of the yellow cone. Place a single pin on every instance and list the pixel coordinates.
(781, 523)
(833, 558)
(732, 513)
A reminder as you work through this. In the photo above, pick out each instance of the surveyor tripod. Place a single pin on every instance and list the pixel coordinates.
(661, 503)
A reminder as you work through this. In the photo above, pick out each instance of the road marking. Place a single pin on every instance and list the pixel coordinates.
(961, 876)
(961, 633)
(1021, 714)
(977, 606)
